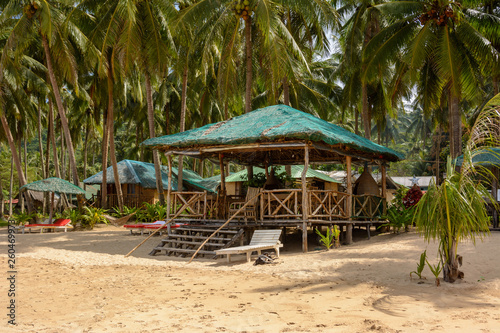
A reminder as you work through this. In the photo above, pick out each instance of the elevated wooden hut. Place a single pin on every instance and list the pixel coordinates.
(281, 135)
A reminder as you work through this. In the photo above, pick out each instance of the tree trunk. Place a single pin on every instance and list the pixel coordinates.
(365, 114)
(62, 112)
(2, 200)
(40, 149)
(104, 184)
(15, 156)
(182, 126)
(356, 122)
(11, 185)
(455, 126)
(451, 273)
(249, 74)
(151, 121)
(286, 92)
(53, 139)
(21, 196)
(110, 124)
(62, 115)
(63, 159)
(85, 153)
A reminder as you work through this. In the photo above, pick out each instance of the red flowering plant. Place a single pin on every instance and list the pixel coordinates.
(413, 196)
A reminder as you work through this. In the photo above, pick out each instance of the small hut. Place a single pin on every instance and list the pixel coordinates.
(138, 183)
(314, 179)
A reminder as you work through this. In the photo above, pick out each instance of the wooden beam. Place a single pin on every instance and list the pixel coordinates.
(169, 187)
(384, 187)
(222, 193)
(348, 238)
(305, 206)
(494, 193)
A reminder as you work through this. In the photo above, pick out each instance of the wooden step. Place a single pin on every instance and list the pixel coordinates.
(232, 232)
(173, 249)
(193, 243)
(197, 237)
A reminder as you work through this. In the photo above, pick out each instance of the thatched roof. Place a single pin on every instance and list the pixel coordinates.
(275, 134)
(53, 184)
(143, 173)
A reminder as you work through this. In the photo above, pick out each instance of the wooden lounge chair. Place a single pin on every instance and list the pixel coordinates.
(62, 224)
(250, 211)
(261, 240)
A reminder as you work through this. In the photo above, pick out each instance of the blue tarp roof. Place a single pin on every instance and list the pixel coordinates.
(143, 173)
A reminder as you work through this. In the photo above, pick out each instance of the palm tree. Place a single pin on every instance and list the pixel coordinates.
(438, 42)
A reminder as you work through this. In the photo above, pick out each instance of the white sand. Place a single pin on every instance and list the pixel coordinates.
(81, 282)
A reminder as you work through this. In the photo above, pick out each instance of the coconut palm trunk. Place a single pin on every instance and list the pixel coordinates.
(15, 156)
(62, 113)
(2, 199)
(40, 148)
(151, 121)
(248, 83)
(105, 146)
(455, 127)
(110, 125)
(182, 123)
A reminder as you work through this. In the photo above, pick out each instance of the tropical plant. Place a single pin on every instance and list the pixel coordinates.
(453, 211)
(73, 214)
(436, 270)
(328, 239)
(398, 218)
(92, 216)
(420, 266)
(22, 218)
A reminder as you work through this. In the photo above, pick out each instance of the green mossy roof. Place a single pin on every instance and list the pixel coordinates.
(297, 170)
(54, 184)
(273, 123)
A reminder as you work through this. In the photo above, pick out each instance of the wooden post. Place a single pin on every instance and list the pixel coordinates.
(348, 238)
(169, 187)
(384, 187)
(494, 194)
(222, 193)
(305, 206)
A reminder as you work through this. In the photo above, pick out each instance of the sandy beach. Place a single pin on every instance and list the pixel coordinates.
(80, 281)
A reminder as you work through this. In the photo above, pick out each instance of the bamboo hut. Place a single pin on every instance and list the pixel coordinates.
(138, 183)
(281, 135)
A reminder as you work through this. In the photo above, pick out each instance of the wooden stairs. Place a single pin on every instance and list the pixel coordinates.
(185, 240)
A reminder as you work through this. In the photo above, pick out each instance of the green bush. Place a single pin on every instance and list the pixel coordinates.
(92, 216)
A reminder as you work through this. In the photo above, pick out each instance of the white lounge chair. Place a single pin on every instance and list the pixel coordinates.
(261, 240)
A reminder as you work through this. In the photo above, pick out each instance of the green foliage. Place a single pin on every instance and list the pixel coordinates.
(22, 218)
(330, 238)
(152, 212)
(73, 214)
(397, 214)
(92, 216)
(126, 211)
(326, 240)
(420, 265)
(453, 211)
(436, 270)
(259, 179)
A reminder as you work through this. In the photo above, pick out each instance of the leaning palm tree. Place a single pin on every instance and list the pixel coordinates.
(438, 41)
(456, 209)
